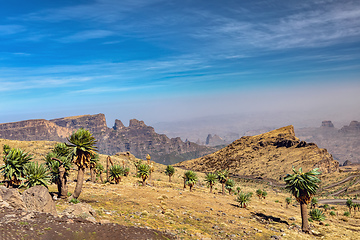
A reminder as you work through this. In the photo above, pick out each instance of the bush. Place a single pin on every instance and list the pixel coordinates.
(36, 174)
(317, 215)
(74, 201)
(332, 213)
(347, 214)
(243, 199)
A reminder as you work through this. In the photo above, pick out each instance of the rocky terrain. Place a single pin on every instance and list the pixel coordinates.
(343, 143)
(137, 138)
(267, 155)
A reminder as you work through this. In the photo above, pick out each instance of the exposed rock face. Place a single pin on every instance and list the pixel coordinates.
(39, 129)
(12, 197)
(138, 138)
(343, 144)
(83, 210)
(214, 140)
(38, 199)
(269, 155)
(347, 163)
(94, 123)
(327, 124)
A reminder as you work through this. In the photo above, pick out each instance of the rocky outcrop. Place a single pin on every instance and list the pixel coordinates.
(94, 123)
(327, 124)
(12, 197)
(32, 130)
(269, 155)
(38, 199)
(138, 138)
(83, 210)
(214, 140)
(343, 144)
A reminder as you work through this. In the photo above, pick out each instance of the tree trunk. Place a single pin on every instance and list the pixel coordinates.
(79, 183)
(93, 175)
(169, 178)
(211, 188)
(101, 179)
(223, 188)
(190, 187)
(144, 182)
(63, 190)
(304, 217)
(107, 168)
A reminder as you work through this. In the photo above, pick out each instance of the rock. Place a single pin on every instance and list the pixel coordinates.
(12, 197)
(104, 221)
(274, 237)
(327, 124)
(38, 199)
(292, 218)
(83, 210)
(347, 163)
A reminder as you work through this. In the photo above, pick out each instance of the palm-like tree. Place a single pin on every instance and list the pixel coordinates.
(169, 171)
(243, 199)
(116, 172)
(191, 179)
(36, 174)
(229, 185)
(263, 194)
(15, 162)
(223, 177)
(99, 169)
(349, 204)
(83, 148)
(59, 163)
(303, 186)
(288, 201)
(210, 180)
(259, 193)
(143, 172)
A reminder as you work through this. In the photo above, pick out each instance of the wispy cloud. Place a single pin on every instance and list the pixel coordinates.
(87, 35)
(10, 29)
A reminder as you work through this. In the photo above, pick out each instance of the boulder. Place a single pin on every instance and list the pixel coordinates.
(12, 197)
(83, 210)
(38, 199)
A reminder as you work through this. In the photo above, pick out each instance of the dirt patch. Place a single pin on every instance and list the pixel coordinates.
(19, 224)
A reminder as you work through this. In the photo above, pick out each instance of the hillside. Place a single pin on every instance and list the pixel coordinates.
(166, 206)
(137, 138)
(268, 155)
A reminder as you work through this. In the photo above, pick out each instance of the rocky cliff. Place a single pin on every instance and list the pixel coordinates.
(343, 144)
(269, 155)
(39, 129)
(138, 138)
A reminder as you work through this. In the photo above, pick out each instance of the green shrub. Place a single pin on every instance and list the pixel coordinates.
(347, 214)
(243, 199)
(332, 213)
(317, 215)
(74, 201)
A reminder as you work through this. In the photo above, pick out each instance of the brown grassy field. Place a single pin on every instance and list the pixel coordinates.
(199, 214)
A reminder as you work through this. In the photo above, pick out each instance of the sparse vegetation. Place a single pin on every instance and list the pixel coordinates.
(143, 171)
(116, 172)
(170, 171)
(36, 174)
(243, 199)
(317, 215)
(229, 185)
(288, 200)
(210, 180)
(222, 178)
(191, 179)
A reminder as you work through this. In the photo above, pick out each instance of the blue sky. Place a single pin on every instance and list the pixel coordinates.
(162, 60)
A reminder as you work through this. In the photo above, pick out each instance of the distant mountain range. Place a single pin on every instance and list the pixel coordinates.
(138, 138)
(343, 143)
